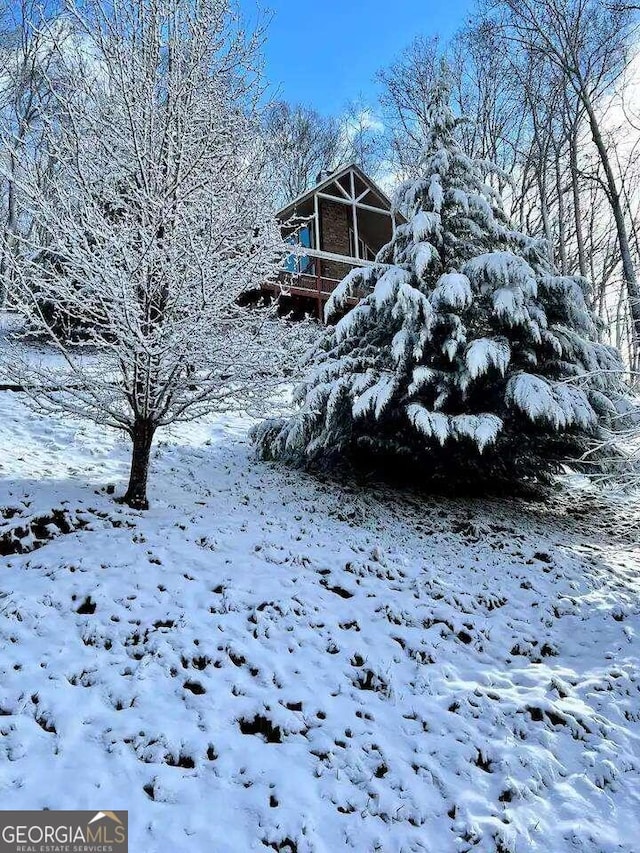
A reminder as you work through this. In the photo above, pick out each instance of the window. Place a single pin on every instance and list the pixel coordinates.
(299, 263)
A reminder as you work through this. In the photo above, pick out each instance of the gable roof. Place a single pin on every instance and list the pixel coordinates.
(330, 179)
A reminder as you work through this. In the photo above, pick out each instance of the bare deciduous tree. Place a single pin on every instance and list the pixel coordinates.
(304, 143)
(406, 87)
(154, 222)
(362, 137)
(587, 42)
(29, 59)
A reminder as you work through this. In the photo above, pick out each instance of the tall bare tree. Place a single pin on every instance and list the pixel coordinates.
(30, 63)
(406, 88)
(156, 220)
(362, 137)
(304, 143)
(587, 42)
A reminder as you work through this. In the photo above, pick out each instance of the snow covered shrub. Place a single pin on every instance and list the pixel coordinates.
(469, 360)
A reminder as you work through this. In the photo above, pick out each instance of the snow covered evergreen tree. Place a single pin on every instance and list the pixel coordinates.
(469, 359)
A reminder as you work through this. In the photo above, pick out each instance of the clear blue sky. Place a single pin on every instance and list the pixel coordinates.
(326, 52)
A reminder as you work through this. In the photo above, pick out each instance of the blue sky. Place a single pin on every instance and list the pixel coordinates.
(326, 52)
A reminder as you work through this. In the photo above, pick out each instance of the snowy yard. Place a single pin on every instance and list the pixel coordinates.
(268, 661)
(39, 353)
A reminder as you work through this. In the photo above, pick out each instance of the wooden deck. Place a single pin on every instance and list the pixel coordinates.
(315, 288)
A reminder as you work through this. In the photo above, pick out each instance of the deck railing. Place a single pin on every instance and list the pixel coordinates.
(312, 283)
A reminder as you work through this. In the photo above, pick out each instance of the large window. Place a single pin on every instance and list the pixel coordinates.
(299, 263)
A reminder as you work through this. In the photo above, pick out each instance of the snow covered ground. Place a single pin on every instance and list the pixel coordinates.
(266, 660)
(38, 353)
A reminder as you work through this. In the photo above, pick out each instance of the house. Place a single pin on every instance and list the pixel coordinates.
(340, 223)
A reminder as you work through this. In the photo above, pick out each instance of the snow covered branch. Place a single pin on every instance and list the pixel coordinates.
(153, 224)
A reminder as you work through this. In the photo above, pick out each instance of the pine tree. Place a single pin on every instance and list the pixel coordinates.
(469, 359)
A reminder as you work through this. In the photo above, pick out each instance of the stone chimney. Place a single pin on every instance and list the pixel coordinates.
(323, 174)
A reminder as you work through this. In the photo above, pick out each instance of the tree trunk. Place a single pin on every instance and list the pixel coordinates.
(562, 235)
(575, 190)
(142, 438)
(544, 210)
(628, 271)
(10, 230)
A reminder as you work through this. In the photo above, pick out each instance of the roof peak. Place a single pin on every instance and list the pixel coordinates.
(326, 177)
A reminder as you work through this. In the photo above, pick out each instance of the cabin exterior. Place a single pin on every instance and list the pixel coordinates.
(340, 223)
